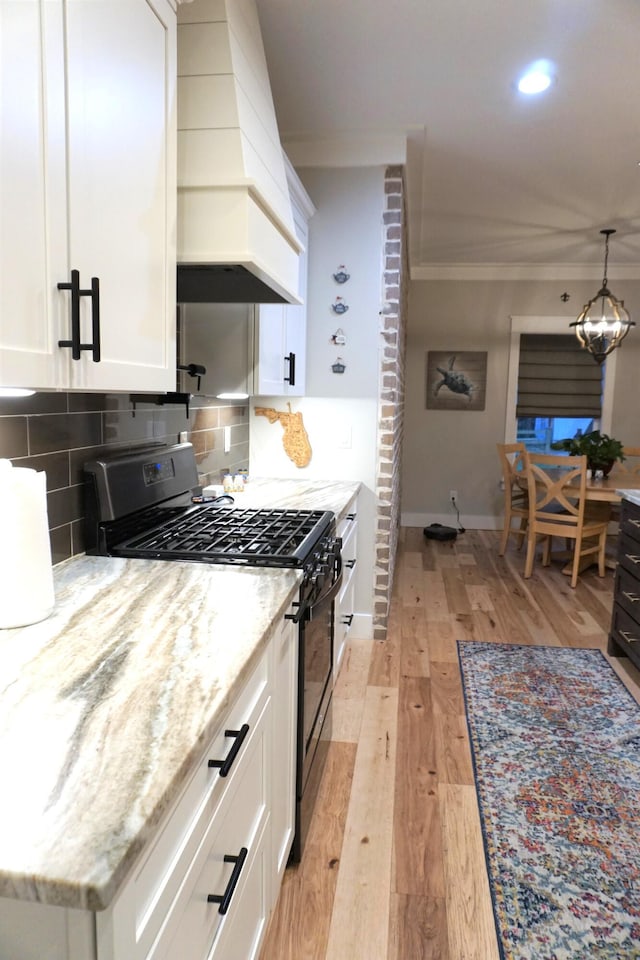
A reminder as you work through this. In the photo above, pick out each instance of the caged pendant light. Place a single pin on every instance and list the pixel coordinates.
(604, 321)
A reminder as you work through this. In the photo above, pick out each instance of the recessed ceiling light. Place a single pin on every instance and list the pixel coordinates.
(537, 78)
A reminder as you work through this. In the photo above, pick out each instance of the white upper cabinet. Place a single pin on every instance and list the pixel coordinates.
(87, 135)
(281, 337)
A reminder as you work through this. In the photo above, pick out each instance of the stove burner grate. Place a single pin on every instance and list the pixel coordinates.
(233, 535)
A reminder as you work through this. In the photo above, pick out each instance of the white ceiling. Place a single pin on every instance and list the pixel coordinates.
(494, 179)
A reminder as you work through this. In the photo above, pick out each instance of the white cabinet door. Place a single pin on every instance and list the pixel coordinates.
(121, 66)
(88, 184)
(270, 350)
(32, 192)
(281, 340)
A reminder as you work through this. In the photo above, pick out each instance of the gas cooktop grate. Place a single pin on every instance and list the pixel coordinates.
(231, 535)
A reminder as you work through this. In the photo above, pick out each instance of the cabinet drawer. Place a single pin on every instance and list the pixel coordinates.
(348, 523)
(349, 548)
(241, 933)
(193, 922)
(629, 554)
(155, 884)
(344, 619)
(625, 634)
(627, 593)
(630, 522)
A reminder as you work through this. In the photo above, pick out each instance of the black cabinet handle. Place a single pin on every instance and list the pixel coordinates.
(76, 292)
(224, 766)
(350, 516)
(94, 293)
(347, 619)
(291, 360)
(351, 563)
(74, 286)
(225, 899)
(296, 617)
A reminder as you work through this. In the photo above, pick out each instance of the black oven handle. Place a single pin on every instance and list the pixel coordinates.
(329, 594)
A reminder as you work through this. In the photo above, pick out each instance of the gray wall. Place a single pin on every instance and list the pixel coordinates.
(446, 450)
(345, 229)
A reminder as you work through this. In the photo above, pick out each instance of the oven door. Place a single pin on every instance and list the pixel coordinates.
(315, 686)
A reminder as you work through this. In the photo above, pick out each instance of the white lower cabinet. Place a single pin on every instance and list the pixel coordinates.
(345, 607)
(204, 887)
(226, 883)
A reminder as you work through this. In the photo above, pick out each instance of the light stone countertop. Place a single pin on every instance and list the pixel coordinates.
(293, 494)
(633, 496)
(106, 706)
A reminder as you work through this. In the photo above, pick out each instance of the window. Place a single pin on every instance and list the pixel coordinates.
(559, 390)
(526, 418)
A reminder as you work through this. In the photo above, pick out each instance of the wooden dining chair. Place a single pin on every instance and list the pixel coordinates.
(631, 462)
(516, 498)
(556, 511)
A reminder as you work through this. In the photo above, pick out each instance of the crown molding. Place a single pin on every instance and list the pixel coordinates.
(523, 271)
(347, 151)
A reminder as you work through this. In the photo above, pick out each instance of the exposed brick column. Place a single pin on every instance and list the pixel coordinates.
(395, 285)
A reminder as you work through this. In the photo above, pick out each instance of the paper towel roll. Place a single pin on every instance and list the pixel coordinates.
(26, 575)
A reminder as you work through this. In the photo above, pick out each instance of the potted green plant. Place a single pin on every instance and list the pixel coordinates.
(600, 449)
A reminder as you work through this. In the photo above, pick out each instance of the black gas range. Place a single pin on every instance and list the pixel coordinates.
(141, 505)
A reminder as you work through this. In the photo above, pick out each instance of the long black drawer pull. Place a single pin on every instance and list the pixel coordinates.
(224, 766)
(632, 557)
(350, 564)
(627, 636)
(225, 899)
(76, 346)
(95, 320)
(347, 619)
(291, 379)
(631, 597)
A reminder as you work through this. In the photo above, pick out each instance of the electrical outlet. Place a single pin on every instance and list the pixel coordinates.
(453, 495)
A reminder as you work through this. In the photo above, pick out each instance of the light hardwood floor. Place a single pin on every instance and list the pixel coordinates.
(394, 866)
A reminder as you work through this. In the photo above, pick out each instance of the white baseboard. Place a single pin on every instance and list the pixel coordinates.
(469, 523)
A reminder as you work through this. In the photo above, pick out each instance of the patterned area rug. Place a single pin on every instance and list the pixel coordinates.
(556, 746)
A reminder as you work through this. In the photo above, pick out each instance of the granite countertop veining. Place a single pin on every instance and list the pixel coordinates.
(106, 706)
(294, 494)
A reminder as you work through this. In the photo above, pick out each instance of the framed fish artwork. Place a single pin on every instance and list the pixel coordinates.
(456, 380)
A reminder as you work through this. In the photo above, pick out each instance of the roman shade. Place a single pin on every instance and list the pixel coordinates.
(557, 378)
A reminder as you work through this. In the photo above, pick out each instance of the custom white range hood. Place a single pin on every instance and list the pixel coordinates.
(236, 236)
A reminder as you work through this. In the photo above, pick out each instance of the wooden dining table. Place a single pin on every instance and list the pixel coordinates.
(605, 489)
(602, 489)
